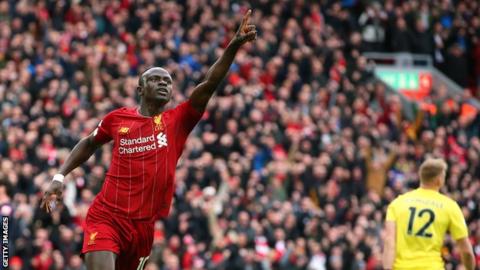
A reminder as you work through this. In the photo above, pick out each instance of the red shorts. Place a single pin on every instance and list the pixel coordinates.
(130, 239)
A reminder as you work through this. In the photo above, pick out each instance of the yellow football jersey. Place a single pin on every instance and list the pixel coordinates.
(422, 218)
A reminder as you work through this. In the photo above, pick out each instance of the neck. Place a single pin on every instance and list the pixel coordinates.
(150, 109)
(430, 187)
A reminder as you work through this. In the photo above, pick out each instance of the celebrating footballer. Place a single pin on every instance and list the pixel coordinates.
(147, 143)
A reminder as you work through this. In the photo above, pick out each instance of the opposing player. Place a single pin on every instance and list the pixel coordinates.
(139, 185)
(417, 222)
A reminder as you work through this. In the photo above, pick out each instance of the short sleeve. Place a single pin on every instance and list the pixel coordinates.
(458, 227)
(102, 132)
(391, 216)
(186, 117)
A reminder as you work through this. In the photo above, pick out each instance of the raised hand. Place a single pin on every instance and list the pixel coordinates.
(204, 91)
(246, 32)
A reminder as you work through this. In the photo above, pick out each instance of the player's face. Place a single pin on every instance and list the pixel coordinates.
(157, 85)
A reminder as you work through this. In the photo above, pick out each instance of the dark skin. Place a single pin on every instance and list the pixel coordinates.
(155, 91)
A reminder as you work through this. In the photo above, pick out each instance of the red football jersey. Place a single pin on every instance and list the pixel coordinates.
(140, 181)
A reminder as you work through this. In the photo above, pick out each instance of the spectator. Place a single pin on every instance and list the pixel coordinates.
(422, 38)
(456, 66)
(372, 22)
(402, 37)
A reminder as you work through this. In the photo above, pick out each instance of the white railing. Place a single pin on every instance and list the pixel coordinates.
(417, 62)
(400, 60)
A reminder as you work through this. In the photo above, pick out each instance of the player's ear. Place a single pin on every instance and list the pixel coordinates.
(140, 91)
(439, 181)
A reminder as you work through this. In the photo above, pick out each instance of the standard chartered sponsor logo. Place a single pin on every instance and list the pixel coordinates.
(161, 139)
(142, 144)
(138, 140)
(136, 149)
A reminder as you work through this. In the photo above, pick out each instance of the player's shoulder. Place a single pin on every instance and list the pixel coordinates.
(447, 200)
(402, 198)
(180, 105)
(396, 201)
(122, 112)
(185, 107)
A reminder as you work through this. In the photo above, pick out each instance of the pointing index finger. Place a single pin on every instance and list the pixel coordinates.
(246, 17)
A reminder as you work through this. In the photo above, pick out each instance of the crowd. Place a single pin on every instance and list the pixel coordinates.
(297, 156)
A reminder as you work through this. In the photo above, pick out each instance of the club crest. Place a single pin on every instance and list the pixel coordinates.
(158, 122)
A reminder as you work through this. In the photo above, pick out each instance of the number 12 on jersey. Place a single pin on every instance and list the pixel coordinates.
(422, 232)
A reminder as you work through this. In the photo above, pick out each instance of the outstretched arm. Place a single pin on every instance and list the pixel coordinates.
(204, 91)
(80, 153)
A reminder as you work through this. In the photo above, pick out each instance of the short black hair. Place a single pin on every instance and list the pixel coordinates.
(141, 79)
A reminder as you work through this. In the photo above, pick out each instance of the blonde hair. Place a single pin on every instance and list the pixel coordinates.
(431, 169)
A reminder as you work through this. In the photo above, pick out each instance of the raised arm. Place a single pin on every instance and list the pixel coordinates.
(204, 91)
(80, 153)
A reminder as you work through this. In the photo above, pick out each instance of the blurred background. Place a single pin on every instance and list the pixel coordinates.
(320, 123)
